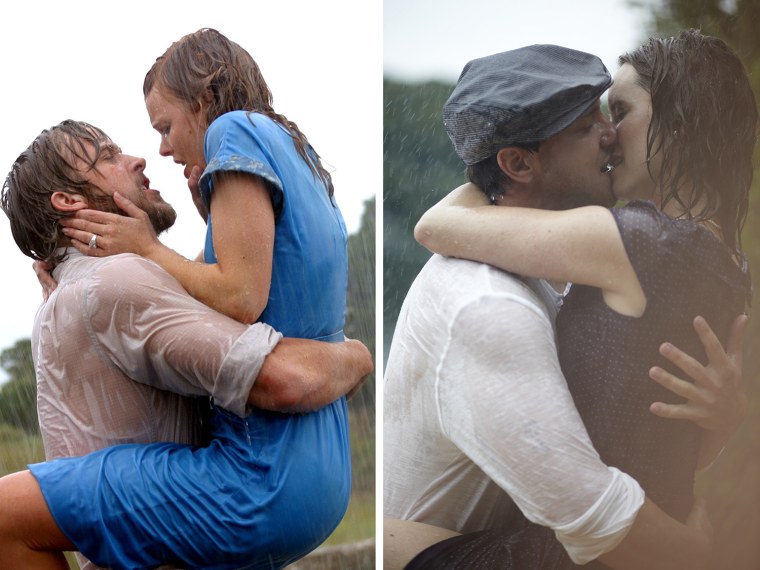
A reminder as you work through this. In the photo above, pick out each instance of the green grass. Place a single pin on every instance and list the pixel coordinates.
(17, 449)
(359, 522)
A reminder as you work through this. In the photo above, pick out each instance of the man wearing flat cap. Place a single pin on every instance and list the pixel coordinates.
(475, 403)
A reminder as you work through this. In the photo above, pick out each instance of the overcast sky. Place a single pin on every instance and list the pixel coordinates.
(434, 39)
(86, 60)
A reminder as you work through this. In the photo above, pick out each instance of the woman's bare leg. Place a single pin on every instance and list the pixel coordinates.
(403, 540)
(29, 537)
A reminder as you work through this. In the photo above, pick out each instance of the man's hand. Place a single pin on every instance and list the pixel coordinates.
(195, 193)
(48, 284)
(716, 400)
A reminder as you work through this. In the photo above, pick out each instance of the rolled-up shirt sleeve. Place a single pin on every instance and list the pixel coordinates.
(503, 401)
(148, 326)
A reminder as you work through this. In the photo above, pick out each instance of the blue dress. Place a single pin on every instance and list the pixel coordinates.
(270, 487)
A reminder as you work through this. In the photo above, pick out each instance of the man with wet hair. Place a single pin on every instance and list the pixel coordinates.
(478, 418)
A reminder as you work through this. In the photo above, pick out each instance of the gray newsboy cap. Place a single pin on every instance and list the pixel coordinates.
(520, 96)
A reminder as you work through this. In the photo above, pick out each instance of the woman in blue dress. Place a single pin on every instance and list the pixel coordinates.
(686, 125)
(275, 252)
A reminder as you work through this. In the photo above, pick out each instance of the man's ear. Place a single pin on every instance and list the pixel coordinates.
(65, 202)
(517, 163)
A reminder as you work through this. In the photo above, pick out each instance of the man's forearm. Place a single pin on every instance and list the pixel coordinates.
(659, 542)
(303, 375)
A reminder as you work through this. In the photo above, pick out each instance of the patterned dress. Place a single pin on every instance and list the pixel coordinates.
(684, 271)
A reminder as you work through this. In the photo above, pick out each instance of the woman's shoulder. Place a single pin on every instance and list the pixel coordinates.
(245, 120)
(642, 222)
(242, 133)
(645, 218)
(639, 210)
(658, 244)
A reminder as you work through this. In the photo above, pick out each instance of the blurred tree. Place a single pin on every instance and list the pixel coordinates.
(419, 168)
(360, 297)
(18, 396)
(360, 324)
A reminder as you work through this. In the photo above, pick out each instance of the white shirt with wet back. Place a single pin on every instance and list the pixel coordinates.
(120, 344)
(475, 405)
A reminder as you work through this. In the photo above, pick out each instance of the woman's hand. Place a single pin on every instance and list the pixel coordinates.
(716, 400)
(195, 193)
(114, 233)
(45, 277)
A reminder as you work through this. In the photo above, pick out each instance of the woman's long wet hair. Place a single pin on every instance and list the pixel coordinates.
(704, 126)
(46, 166)
(206, 66)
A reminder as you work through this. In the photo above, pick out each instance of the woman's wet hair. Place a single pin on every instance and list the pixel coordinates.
(704, 126)
(207, 68)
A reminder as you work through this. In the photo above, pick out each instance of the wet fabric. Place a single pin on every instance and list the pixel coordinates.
(310, 263)
(684, 271)
(477, 411)
(117, 344)
(138, 506)
(493, 548)
(270, 487)
(307, 292)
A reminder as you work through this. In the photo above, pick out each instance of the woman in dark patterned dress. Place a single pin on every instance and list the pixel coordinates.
(686, 125)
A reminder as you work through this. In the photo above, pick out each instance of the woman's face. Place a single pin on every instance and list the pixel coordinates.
(181, 129)
(631, 111)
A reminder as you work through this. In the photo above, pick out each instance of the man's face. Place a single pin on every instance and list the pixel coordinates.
(573, 163)
(118, 172)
